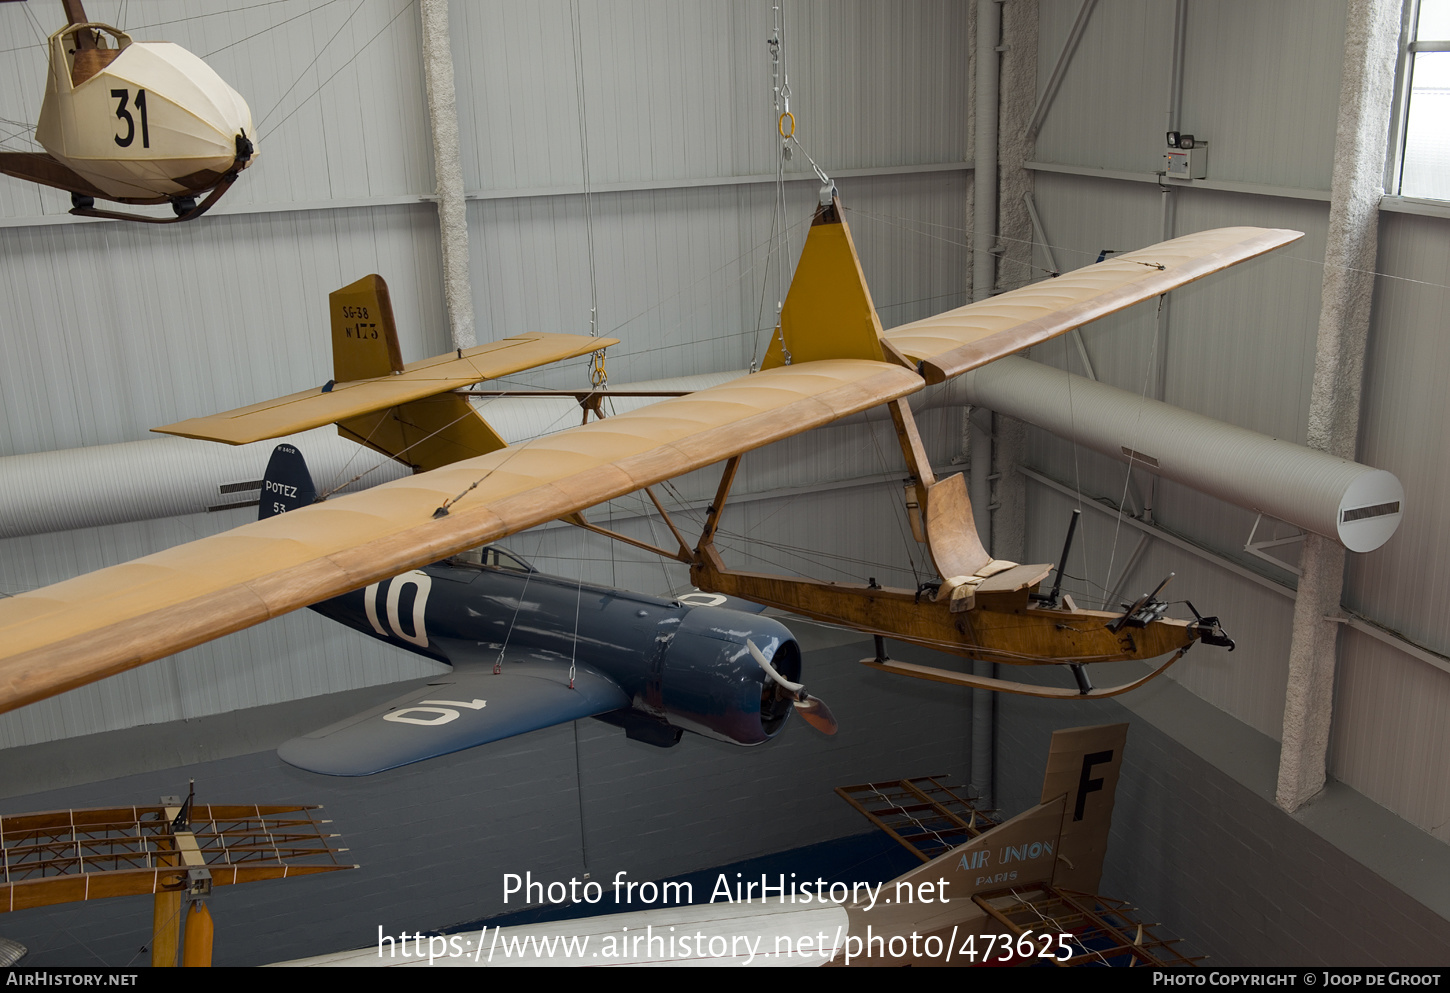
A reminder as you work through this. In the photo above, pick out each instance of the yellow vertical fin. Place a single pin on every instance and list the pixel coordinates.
(364, 337)
(828, 312)
(1083, 765)
(425, 434)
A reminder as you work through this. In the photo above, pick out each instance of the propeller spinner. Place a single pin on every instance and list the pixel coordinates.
(813, 710)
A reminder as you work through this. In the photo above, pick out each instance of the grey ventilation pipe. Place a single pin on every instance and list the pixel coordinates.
(170, 477)
(1354, 504)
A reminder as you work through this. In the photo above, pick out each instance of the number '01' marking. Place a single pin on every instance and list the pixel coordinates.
(443, 714)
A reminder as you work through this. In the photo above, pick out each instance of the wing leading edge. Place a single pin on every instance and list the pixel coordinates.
(72, 633)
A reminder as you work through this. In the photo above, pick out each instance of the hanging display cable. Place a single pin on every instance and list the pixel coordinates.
(598, 375)
(780, 234)
(785, 127)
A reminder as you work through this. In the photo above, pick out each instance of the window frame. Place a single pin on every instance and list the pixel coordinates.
(1400, 107)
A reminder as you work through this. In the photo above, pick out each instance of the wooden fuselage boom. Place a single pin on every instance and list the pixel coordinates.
(1002, 627)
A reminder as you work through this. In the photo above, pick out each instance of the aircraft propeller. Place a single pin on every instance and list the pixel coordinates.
(813, 709)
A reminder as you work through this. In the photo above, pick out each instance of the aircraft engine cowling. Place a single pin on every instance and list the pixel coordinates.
(710, 684)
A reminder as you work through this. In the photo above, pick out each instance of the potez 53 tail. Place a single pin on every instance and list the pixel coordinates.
(408, 412)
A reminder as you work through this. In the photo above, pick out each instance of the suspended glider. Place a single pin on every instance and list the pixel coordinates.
(831, 360)
(134, 122)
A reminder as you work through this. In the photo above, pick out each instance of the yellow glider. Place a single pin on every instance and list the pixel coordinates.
(84, 629)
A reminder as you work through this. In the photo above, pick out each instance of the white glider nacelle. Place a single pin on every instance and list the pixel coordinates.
(135, 122)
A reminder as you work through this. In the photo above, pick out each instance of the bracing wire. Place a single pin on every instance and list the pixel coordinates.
(597, 375)
(1128, 475)
(338, 70)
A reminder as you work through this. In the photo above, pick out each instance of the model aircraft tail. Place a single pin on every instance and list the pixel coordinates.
(1061, 841)
(426, 433)
(408, 412)
(286, 485)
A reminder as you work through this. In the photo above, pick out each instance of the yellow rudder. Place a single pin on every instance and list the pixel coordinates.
(364, 336)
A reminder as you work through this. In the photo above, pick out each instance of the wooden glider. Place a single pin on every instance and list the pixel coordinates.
(830, 359)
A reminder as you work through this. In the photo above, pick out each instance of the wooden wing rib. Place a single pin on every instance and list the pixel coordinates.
(314, 408)
(951, 343)
(63, 636)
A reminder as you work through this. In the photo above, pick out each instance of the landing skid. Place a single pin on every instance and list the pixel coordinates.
(186, 208)
(1009, 686)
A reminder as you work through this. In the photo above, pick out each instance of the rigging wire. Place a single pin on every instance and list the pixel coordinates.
(1128, 475)
(598, 376)
(335, 72)
(257, 34)
(518, 605)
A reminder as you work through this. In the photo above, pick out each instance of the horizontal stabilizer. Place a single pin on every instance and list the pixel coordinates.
(418, 380)
(454, 712)
(951, 343)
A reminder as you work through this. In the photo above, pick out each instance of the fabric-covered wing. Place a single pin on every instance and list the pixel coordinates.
(62, 636)
(418, 380)
(469, 707)
(951, 343)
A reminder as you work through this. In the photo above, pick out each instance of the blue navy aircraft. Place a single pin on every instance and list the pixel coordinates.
(530, 650)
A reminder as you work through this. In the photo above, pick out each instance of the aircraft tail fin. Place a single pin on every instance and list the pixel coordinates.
(287, 483)
(1083, 765)
(364, 334)
(408, 412)
(1061, 841)
(828, 313)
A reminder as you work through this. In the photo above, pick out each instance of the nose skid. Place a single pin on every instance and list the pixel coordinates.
(1209, 631)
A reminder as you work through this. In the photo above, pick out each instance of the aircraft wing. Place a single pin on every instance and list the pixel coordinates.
(46, 169)
(72, 633)
(315, 408)
(951, 343)
(469, 707)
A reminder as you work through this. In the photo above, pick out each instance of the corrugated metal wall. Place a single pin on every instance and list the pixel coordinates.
(1261, 86)
(110, 329)
(107, 329)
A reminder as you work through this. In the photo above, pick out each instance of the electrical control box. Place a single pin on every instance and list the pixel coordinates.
(1186, 163)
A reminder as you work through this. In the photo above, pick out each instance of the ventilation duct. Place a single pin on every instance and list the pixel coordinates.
(170, 477)
(1352, 503)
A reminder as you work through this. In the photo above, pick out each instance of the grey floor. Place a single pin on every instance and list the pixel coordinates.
(1197, 841)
